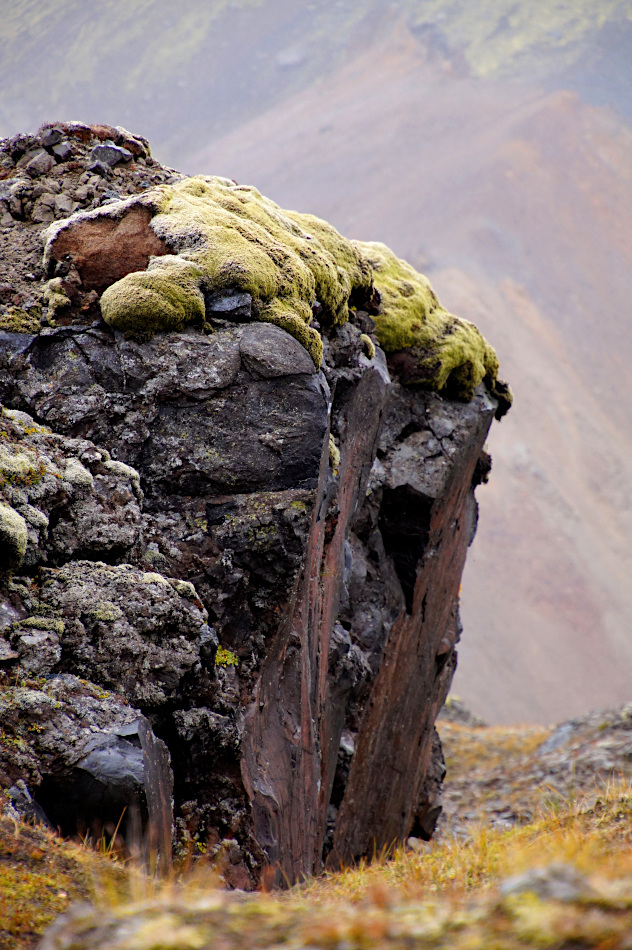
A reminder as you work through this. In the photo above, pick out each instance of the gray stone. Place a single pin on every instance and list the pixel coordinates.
(62, 152)
(84, 758)
(268, 353)
(143, 402)
(559, 882)
(228, 305)
(63, 204)
(40, 164)
(110, 154)
(100, 168)
(7, 653)
(51, 136)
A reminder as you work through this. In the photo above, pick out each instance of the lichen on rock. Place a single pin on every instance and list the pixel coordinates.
(13, 537)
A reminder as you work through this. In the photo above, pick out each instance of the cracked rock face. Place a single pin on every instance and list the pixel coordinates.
(117, 626)
(260, 561)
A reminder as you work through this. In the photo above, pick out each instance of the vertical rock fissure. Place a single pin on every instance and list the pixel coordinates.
(289, 774)
(394, 742)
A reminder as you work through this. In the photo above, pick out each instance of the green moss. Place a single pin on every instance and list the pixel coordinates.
(227, 237)
(13, 538)
(55, 296)
(225, 657)
(231, 237)
(43, 623)
(444, 351)
(185, 589)
(16, 320)
(368, 344)
(166, 296)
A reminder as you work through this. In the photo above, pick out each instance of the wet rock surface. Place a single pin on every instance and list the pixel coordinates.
(246, 549)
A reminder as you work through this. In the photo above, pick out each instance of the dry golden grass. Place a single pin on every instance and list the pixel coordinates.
(41, 875)
(446, 896)
(449, 894)
(467, 749)
(590, 833)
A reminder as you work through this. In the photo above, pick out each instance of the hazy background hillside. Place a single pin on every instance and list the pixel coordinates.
(491, 145)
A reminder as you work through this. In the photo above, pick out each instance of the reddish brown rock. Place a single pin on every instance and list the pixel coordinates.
(104, 249)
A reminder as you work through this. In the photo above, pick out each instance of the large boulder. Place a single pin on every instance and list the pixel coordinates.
(238, 492)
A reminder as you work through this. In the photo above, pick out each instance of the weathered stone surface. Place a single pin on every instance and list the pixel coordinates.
(308, 578)
(40, 164)
(110, 154)
(426, 525)
(75, 501)
(84, 757)
(142, 401)
(132, 631)
(62, 152)
(105, 249)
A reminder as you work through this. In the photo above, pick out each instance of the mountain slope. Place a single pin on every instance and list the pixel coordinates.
(183, 76)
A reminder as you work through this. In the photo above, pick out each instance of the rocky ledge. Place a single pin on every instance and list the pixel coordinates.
(237, 462)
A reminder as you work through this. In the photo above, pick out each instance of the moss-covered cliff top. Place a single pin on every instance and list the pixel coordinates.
(295, 270)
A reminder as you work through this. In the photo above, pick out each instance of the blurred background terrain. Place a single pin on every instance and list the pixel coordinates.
(490, 145)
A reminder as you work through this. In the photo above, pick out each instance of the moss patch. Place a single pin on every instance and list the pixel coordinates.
(16, 320)
(230, 237)
(166, 296)
(13, 538)
(441, 351)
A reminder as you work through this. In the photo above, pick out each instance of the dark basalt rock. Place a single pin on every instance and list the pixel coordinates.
(260, 560)
(82, 759)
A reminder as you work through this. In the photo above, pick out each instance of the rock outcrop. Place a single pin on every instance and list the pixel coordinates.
(236, 473)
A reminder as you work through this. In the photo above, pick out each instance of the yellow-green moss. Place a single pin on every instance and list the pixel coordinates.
(16, 320)
(166, 296)
(225, 657)
(42, 623)
(185, 589)
(231, 237)
(368, 344)
(334, 454)
(13, 538)
(55, 297)
(445, 350)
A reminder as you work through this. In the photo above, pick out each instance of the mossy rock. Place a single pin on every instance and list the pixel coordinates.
(228, 237)
(17, 320)
(436, 349)
(13, 538)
